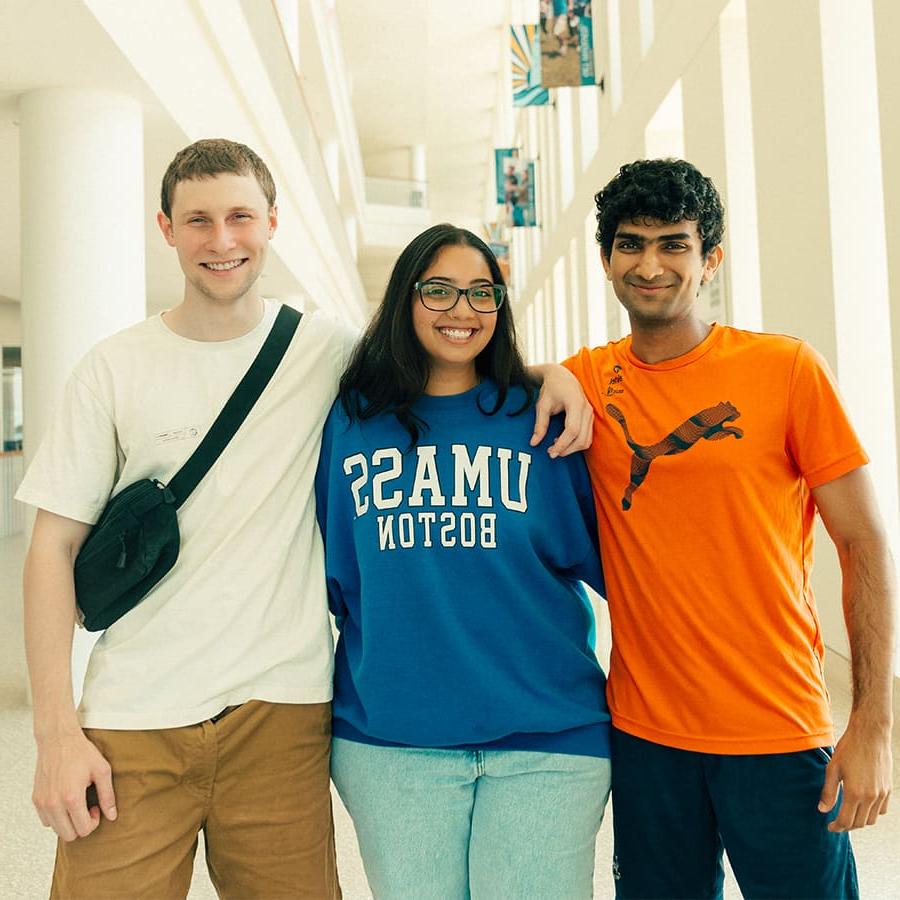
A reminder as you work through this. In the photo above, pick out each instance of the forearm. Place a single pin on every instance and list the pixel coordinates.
(540, 371)
(49, 624)
(869, 599)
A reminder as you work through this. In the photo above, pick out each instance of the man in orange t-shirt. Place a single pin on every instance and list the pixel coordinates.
(713, 449)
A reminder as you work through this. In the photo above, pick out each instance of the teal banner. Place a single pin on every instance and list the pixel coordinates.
(567, 44)
(526, 67)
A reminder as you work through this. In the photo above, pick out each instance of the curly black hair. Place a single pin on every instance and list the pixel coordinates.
(667, 190)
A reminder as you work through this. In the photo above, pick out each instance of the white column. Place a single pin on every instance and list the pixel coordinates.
(352, 229)
(887, 23)
(82, 239)
(794, 215)
(289, 14)
(418, 172)
(417, 160)
(742, 233)
(859, 264)
(789, 148)
(82, 190)
(331, 156)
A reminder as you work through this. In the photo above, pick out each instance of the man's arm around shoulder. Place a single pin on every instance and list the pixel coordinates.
(67, 762)
(561, 392)
(862, 757)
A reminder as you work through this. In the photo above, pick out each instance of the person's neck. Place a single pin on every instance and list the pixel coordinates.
(202, 319)
(657, 342)
(446, 382)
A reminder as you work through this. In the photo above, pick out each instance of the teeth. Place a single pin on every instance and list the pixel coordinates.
(224, 266)
(457, 333)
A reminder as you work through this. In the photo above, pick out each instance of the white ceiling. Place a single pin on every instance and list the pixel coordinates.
(426, 72)
(423, 71)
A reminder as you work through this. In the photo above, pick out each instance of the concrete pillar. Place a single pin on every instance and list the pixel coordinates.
(595, 281)
(352, 229)
(718, 139)
(859, 264)
(630, 42)
(742, 287)
(887, 26)
(82, 239)
(615, 81)
(82, 235)
(789, 122)
(417, 163)
(331, 156)
(289, 14)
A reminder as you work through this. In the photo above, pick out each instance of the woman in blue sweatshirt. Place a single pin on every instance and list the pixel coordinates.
(471, 742)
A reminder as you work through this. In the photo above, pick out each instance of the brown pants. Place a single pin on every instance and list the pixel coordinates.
(255, 780)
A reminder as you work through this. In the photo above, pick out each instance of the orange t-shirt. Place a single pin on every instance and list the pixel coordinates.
(702, 468)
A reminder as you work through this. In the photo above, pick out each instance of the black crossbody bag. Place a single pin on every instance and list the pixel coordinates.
(136, 539)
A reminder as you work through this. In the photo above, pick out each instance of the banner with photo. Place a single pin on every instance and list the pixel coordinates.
(500, 249)
(518, 192)
(567, 43)
(526, 67)
(501, 155)
(497, 240)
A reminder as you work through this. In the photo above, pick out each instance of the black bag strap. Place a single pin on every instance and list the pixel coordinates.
(238, 406)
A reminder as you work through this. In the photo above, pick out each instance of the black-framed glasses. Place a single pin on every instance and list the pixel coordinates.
(440, 297)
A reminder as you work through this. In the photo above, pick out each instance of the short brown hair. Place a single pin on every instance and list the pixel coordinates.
(214, 156)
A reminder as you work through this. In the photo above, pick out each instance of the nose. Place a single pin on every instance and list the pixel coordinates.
(461, 309)
(220, 238)
(648, 265)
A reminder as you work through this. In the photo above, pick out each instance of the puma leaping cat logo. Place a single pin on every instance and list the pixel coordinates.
(709, 424)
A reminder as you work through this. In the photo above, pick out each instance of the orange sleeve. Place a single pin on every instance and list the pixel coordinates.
(820, 438)
(581, 365)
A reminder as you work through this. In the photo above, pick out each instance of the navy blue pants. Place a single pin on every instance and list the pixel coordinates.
(674, 811)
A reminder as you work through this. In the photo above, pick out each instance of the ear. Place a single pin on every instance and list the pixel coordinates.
(711, 265)
(604, 259)
(273, 220)
(165, 226)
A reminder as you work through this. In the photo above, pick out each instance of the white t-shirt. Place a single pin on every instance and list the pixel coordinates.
(243, 614)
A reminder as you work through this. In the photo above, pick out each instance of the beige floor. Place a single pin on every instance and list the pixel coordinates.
(26, 849)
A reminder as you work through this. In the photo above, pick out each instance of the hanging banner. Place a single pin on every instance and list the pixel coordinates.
(526, 67)
(518, 192)
(501, 155)
(500, 249)
(495, 233)
(567, 43)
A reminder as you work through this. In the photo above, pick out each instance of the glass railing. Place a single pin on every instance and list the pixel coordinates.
(397, 192)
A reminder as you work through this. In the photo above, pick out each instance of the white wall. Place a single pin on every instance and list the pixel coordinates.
(781, 128)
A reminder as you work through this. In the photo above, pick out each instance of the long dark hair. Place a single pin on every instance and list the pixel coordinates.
(389, 369)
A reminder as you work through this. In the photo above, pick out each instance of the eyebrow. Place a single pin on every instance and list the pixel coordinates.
(453, 280)
(633, 236)
(203, 212)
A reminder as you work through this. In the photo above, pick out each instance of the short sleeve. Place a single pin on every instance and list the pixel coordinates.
(582, 366)
(578, 362)
(589, 569)
(820, 438)
(75, 467)
(328, 514)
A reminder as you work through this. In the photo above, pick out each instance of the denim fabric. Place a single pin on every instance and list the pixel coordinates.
(479, 824)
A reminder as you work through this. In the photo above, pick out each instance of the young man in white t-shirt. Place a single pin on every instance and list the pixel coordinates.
(207, 706)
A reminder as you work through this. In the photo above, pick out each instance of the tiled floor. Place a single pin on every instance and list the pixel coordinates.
(26, 849)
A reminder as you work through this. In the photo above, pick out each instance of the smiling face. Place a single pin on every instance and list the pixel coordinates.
(220, 228)
(657, 268)
(453, 339)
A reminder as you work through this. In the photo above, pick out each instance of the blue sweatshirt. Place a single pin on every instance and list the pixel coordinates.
(453, 571)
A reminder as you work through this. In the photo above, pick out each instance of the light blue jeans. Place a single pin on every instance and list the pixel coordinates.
(479, 824)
